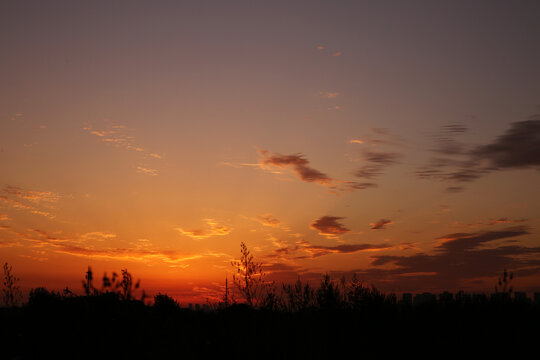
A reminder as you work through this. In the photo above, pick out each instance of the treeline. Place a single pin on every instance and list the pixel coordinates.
(336, 318)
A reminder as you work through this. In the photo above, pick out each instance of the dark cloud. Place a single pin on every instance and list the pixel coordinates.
(301, 167)
(460, 257)
(380, 224)
(445, 140)
(318, 250)
(329, 226)
(377, 162)
(353, 185)
(516, 148)
(299, 164)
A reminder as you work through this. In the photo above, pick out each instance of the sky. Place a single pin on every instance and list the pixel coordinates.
(398, 141)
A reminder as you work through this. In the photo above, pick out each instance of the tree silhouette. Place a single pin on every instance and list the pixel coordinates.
(11, 290)
(248, 276)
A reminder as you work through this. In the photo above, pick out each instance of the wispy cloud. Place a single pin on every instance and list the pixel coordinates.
(268, 220)
(143, 170)
(457, 163)
(214, 229)
(320, 47)
(376, 160)
(491, 222)
(116, 135)
(329, 95)
(337, 53)
(329, 226)
(32, 201)
(97, 236)
(86, 246)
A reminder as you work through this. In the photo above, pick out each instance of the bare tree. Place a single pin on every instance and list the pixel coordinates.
(11, 290)
(248, 276)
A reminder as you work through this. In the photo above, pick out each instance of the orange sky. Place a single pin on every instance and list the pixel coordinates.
(396, 141)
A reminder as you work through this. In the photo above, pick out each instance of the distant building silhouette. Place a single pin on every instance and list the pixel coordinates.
(406, 298)
(424, 298)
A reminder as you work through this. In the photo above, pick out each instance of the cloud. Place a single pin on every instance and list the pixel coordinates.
(503, 220)
(97, 236)
(377, 162)
(298, 163)
(380, 224)
(4, 217)
(214, 229)
(329, 226)
(116, 136)
(516, 148)
(355, 141)
(317, 250)
(459, 257)
(330, 95)
(75, 245)
(300, 166)
(143, 170)
(338, 53)
(267, 220)
(32, 201)
(353, 185)
(320, 47)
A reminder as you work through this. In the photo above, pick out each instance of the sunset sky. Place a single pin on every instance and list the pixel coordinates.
(392, 139)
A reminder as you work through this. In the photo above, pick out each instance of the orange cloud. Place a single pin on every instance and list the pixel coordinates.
(115, 135)
(32, 201)
(267, 220)
(338, 53)
(215, 229)
(143, 170)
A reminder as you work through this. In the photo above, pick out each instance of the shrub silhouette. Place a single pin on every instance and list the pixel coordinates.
(11, 291)
(165, 303)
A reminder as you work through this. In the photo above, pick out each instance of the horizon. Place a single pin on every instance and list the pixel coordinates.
(396, 141)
